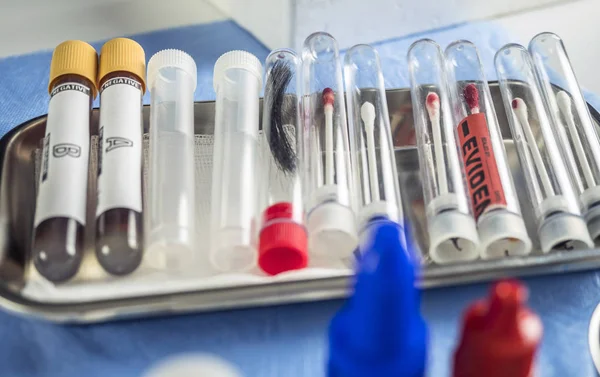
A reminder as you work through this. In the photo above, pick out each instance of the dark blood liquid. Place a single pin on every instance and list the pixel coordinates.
(119, 240)
(58, 248)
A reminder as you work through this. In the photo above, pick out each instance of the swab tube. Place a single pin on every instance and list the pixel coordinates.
(377, 185)
(495, 204)
(573, 125)
(328, 184)
(452, 233)
(559, 221)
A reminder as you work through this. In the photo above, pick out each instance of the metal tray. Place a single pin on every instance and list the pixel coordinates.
(17, 205)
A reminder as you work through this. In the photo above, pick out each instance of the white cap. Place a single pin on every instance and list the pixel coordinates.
(171, 58)
(453, 237)
(592, 217)
(564, 230)
(331, 231)
(503, 233)
(240, 60)
(193, 365)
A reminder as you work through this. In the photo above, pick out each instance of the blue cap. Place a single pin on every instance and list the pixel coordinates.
(380, 331)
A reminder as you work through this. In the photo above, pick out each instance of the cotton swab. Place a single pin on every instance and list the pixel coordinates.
(520, 110)
(367, 113)
(328, 101)
(432, 104)
(564, 104)
(471, 95)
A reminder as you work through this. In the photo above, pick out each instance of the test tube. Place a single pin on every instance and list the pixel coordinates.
(576, 132)
(493, 198)
(377, 185)
(170, 236)
(121, 79)
(327, 178)
(559, 221)
(60, 212)
(452, 232)
(237, 82)
(283, 239)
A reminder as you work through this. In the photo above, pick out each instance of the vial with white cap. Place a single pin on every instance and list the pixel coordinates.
(556, 207)
(376, 177)
(237, 82)
(576, 132)
(452, 232)
(491, 189)
(282, 239)
(326, 161)
(170, 233)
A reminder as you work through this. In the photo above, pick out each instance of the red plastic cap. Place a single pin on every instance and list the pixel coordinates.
(500, 335)
(283, 244)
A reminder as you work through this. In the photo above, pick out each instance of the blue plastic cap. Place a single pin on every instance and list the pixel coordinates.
(380, 331)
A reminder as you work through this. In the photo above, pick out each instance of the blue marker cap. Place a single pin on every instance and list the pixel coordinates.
(380, 331)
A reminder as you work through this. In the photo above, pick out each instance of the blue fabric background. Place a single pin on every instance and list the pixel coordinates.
(285, 341)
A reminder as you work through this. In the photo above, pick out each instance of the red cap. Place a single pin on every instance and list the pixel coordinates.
(500, 335)
(282, 244)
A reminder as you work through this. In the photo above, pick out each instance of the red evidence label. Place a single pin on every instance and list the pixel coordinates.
(483, 180)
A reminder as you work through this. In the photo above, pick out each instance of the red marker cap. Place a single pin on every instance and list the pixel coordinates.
(500, 335)
(282, 244)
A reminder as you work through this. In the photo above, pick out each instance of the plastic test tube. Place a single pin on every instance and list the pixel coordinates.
(327, 168)
(495, 204)
(377, 186)
(283, 239)
(121, 79)
(60, 212)
(560, 225)
(170, 236)
(573, 125)
(452, 232)
(237, 81)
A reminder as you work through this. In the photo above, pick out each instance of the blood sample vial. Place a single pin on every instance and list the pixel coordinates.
(119, 240)
(59, 223)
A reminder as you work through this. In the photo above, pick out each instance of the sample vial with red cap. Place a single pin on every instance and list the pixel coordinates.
(282, 243)
(375, 172)
(490, 186)
(326, 162)
(500, 335)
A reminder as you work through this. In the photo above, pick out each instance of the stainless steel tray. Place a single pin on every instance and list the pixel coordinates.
(17, 204)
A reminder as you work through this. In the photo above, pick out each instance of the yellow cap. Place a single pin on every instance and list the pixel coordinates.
(74, 58)
(122, 54)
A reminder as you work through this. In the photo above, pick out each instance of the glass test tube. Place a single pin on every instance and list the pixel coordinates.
(170, 235)
(60, 212)
(573, 125)
(237, 81)
(326, 159)
(452, 233)
(376, 176)
(283, 239)
(121, 79)
(495, 204)
(559, 221)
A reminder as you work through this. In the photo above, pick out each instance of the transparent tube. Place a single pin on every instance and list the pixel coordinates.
(376, 177)
(559, 221)
(452, 232)
(327, 168)
(171, 227)
(573, 125)
(489, 182)
(237, 82)
(283, 238)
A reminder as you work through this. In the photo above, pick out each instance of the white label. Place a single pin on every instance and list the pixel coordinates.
(64, 171)
(120, 155)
